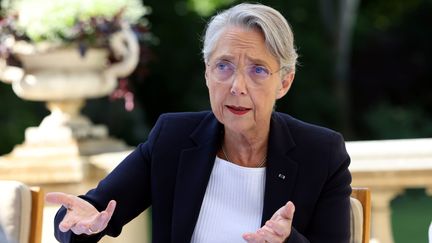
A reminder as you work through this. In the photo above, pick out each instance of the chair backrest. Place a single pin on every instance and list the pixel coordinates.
(21, 209)
(38, 199)
(360, 215)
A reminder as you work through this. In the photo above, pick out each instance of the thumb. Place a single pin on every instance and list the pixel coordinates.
(101, 221)
(111, 207)
(288, 211)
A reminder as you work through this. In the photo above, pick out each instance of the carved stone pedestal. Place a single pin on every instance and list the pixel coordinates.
(56, 152)
(64, 165)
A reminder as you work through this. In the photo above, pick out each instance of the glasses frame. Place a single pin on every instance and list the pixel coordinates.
(213, 66)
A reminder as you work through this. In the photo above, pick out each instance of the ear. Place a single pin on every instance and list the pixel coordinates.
(206, 74)
(285, 85)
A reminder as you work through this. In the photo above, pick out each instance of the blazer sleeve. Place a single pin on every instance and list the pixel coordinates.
(128, 184)
(331, 218)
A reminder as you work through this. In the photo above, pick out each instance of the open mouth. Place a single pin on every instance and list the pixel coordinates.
(238, 110)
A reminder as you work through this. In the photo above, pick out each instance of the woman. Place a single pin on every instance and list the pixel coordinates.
(233, 174)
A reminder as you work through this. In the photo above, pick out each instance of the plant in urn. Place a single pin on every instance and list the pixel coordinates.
(62, 53)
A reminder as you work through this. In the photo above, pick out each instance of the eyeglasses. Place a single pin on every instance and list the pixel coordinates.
(224, 70)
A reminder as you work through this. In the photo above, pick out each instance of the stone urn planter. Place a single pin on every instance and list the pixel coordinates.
(64, 79)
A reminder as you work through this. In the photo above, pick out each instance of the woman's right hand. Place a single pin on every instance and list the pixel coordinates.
(81, 216)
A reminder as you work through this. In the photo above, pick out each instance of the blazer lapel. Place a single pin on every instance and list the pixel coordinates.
(281, 169)
(195, 166)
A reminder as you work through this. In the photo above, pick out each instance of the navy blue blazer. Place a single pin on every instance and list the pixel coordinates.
(306, 164)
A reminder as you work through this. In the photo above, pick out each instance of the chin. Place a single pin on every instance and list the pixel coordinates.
(240, 127)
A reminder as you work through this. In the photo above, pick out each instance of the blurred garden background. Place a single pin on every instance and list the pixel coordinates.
(364, 70)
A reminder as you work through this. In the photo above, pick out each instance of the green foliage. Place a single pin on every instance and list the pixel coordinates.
(207, 7)
(125, 125)
(15, 117)
(390, 72)
(176, 74)
(392, 122)
(381, 15)
(55, 21)
(411, 216)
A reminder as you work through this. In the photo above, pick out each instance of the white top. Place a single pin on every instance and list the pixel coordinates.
(232, 205)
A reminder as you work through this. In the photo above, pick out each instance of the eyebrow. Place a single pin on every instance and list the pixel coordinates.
(225, 57)
(253, 60)
(259, 61)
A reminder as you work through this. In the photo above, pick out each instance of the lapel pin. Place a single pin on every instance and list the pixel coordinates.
(281, 176)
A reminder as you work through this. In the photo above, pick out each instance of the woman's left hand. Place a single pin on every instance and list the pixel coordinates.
(275, 230)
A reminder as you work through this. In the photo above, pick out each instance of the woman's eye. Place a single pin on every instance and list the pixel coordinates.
(221, 66)
(260, 70)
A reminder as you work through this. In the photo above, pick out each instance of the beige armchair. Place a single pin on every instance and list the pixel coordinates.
(21, 210)
(360, 215)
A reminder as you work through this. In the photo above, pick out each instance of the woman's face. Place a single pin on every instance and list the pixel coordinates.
(244, 81)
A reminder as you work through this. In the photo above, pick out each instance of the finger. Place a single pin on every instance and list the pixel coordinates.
(251, 237)
(59, 198)
(280, 228)
(80, 228)
(267, 236)
(90, 226)
(267, 228)
(86, 228)
(99, 224)
(66, 224)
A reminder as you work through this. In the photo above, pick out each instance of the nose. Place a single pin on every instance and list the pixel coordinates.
(238, 86)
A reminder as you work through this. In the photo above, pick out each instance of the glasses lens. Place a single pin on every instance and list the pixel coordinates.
(258, 73)
(223, 70)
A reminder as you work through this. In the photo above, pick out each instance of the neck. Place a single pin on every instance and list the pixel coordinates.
(245, 151)
(260, 164)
